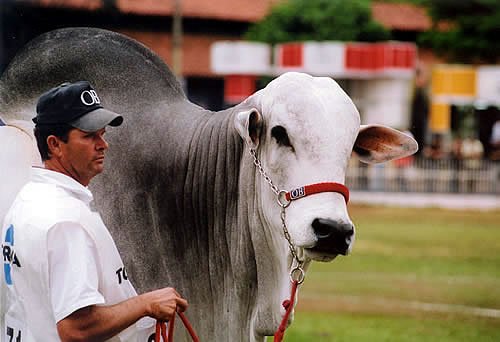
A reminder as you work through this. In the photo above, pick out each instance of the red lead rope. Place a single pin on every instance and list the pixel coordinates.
(161, 329)
(288, 305)
(317, 188)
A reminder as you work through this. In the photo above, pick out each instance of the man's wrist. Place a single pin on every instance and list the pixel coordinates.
(142, 302)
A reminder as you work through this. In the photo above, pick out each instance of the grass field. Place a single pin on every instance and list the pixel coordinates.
(414, 275)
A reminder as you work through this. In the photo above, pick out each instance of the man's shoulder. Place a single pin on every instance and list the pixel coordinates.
(47, 192)
(47, 202)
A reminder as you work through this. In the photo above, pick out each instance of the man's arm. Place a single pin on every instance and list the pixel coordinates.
(79, 308)
(99, 323)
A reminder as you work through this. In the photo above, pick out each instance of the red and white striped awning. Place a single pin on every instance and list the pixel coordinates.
(349, 60)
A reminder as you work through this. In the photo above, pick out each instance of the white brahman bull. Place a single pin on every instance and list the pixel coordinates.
(181, 192)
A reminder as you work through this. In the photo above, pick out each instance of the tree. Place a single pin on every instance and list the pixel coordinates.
(300, 20)
(472, 33)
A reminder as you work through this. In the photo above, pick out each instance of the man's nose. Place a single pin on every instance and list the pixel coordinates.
(102, 144)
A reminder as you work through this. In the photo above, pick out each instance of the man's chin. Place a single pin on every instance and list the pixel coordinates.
(98, 168)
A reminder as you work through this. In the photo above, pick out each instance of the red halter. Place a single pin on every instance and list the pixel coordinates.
(317, 188)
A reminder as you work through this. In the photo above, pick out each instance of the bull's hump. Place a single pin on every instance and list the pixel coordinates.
(118, 67)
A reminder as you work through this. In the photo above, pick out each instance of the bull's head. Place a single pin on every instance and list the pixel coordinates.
(304, 130)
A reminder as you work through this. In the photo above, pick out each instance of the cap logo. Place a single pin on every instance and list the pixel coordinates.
(89, 98)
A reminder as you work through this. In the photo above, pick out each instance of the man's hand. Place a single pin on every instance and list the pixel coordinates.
(163, 303)
(100, 322)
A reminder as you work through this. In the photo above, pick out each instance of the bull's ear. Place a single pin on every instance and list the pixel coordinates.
(377, 144)
(249, 125)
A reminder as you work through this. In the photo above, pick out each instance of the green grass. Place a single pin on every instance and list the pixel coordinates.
(403, 259)
(326, 327)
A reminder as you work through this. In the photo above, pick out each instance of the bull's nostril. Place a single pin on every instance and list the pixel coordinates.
(326, 228)
(349, 232)
(323, 228)
(348, 239)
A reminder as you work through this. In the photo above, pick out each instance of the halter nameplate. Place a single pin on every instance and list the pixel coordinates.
(317, 188)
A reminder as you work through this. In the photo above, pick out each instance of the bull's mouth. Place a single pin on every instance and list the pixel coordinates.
(322, 256)
(327, 252)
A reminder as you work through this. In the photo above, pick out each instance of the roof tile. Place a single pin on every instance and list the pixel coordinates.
(79, 4)
(401, 16)
(237, 10)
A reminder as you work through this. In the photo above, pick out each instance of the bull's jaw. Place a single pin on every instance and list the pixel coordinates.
(274, 287)
(268, 315)
(269, 312)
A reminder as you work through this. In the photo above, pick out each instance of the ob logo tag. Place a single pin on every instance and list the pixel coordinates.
(89, 97)
(297, 193)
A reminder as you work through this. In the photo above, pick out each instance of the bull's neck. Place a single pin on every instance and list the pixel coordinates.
(268, 244)
(211, 182)
(224, 193)
(210, 204)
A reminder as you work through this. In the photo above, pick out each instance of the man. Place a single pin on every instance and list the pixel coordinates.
(64, 278)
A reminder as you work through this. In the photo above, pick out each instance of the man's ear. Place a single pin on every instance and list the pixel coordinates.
(378, 144)
(54, 146)
(249, 125)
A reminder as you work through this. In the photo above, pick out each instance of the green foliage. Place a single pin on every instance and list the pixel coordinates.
(474, 35)
(301, 20)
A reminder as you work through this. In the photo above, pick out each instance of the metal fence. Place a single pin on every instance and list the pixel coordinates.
(426, 175)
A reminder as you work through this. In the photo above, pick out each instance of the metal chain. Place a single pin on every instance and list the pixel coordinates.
(257, 163)
(288, 237)
(283, 205)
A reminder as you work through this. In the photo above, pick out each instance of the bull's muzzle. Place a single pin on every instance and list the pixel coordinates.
(332, 237)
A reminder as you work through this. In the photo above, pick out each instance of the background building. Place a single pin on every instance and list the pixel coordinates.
(203, 23)
(151, 22)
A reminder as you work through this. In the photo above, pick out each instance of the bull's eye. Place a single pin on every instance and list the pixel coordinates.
(279, 133)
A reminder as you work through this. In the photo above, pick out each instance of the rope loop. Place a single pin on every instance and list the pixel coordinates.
(161, 329)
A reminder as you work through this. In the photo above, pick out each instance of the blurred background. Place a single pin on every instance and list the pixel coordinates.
(426, 265)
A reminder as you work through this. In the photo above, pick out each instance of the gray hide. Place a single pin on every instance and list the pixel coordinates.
(170, 190)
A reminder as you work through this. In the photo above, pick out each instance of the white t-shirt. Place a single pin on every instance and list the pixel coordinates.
(73, 276)
(61, 258)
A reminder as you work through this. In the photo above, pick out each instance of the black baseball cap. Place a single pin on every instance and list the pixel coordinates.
(77, 105)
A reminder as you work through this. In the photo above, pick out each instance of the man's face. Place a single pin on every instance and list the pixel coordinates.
(82, 157)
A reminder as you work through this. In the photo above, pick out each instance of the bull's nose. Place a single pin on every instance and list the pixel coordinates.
(332, 235)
